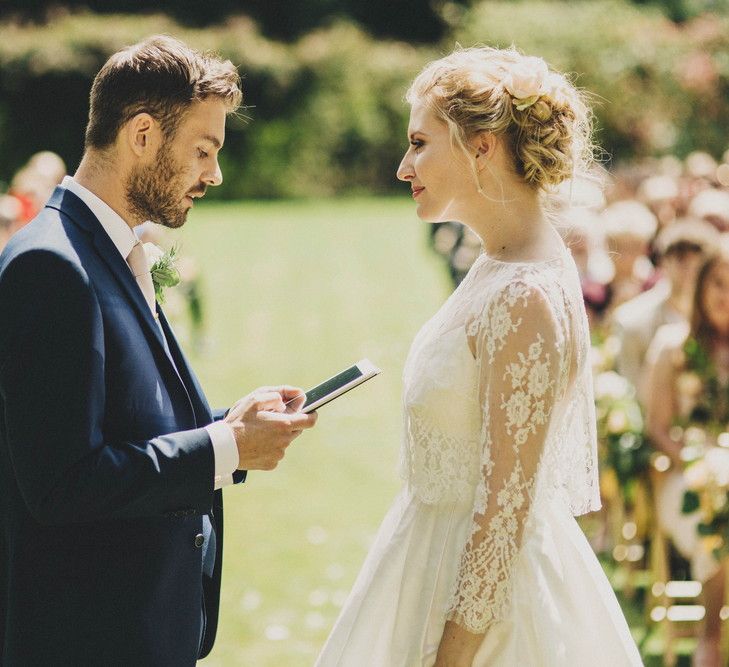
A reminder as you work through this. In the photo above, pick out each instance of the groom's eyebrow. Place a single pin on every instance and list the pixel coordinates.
(213, 140)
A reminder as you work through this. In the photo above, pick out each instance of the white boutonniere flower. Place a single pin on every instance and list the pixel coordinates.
(162, 267)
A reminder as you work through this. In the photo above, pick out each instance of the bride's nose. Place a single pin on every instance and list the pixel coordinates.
(405, 171)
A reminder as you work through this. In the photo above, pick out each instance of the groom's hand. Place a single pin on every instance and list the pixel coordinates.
(264, 425)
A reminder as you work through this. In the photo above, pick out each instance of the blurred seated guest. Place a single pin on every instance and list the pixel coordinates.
(49, 166)
(625, 179)
(9, 213)
(687, 407)
(580, 229)
(660, 194)
(711, 205)
(458, 245)
(682, 247)
(629, 229)
(701, 168)
(34, 183)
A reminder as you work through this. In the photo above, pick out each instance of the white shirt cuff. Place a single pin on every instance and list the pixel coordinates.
(225, 453)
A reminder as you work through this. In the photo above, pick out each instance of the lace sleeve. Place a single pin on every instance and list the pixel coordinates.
(519, 348)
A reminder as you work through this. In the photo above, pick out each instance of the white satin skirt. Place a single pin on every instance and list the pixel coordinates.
(563, 612)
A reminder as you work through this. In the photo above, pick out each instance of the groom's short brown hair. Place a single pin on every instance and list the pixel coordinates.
(162, 77)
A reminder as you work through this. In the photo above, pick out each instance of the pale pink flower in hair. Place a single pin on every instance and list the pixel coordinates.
(527, 81)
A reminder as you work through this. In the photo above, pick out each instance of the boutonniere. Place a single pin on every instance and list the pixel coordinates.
(162, 267)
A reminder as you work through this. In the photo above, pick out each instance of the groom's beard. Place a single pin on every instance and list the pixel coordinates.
(155, 192)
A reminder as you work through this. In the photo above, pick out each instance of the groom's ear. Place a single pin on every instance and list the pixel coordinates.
(142, 134)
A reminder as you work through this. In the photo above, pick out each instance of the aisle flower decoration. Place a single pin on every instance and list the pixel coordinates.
(704, 427)
(621, 429)
(702, 398)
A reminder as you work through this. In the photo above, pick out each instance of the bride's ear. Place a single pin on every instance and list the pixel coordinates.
(484, 146)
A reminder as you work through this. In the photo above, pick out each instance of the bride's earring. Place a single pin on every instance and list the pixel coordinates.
(480, 188)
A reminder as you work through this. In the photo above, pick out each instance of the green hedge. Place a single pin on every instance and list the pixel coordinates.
(660, 87)
(326, 113)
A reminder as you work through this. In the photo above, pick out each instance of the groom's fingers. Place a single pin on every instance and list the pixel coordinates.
(292, 398)
(288, 392)
(290, 421)
(301, 421)
(268, 400)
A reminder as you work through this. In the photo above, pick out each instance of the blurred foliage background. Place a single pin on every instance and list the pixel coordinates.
(324, 79)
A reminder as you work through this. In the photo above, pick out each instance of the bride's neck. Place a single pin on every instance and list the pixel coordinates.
(512, 225)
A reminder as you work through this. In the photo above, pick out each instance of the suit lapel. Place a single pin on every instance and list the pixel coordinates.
(195, 392)
(69, 204)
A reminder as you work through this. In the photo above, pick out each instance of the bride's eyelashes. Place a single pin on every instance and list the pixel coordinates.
(417, 144)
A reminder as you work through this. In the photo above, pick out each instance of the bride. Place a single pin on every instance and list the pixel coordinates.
(480, 562)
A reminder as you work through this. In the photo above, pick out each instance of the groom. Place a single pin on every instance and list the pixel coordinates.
(111, 460)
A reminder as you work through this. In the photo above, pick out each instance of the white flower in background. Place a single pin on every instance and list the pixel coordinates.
(617, 421)
(694, 436)
(611, 385)
(697, 475)
(717, 460)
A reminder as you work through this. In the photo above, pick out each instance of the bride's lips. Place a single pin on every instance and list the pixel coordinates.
(417, 191)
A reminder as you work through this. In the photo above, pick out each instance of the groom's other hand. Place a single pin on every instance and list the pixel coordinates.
(264, 425)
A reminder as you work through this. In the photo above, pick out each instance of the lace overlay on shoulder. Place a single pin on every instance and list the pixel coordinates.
(509, 419)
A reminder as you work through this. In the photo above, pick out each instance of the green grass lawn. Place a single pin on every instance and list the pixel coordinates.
(294, 292)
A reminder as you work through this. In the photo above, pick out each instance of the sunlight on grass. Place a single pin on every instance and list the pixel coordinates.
(294, 292)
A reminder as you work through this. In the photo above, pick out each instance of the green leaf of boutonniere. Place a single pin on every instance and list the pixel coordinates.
(164, 273)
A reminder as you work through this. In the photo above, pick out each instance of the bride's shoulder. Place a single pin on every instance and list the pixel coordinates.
(524, 283)
(522, 293)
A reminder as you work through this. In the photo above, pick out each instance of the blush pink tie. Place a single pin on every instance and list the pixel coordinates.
(139, 265)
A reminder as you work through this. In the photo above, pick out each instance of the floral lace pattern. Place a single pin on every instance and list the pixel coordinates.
(440, 457)
(533, 435)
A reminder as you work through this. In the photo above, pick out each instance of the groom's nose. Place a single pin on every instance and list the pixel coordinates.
(214, 176)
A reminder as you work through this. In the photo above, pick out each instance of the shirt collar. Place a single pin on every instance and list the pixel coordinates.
(119, 232)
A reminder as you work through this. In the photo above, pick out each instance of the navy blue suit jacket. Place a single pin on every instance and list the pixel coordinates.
(105, 468)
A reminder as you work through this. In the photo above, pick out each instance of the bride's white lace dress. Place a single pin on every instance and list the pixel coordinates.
(498, 455)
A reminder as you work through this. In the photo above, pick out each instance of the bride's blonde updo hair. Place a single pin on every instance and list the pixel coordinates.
(544, 119)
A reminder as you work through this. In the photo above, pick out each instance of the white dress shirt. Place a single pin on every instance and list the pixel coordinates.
(225, 451)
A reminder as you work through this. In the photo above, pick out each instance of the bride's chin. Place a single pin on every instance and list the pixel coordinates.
(431, 218)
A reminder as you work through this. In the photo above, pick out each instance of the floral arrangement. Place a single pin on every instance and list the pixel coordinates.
(707, 478)
(621, 430)
(163, 269)
(702, 399)
(704, 425)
